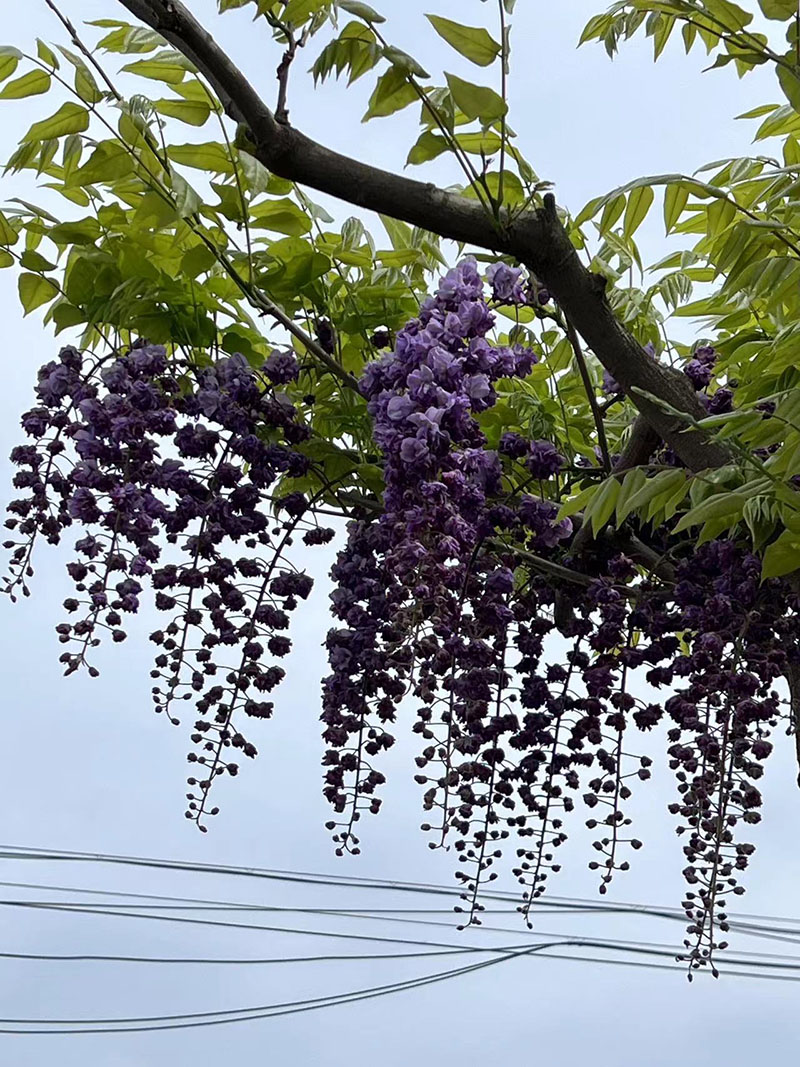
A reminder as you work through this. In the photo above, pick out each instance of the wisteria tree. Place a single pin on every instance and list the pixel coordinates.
(558, 524)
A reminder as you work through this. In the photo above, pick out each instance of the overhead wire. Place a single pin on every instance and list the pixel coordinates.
(179, 1021)
(356, 881)
(788, 962)
(772, 966)
(194, 1019)
(786, 935)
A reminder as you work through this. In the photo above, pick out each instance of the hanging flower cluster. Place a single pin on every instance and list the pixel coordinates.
(436, 602)
(527, 677)
(167, 469)
(441, 483)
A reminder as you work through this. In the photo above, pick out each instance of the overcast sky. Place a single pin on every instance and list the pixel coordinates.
(87, 766)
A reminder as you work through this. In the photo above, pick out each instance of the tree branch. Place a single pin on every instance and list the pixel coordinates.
(588, 388)
(535, 238)
(641, 445)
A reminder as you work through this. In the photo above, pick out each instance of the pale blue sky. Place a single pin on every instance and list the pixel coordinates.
(87, 766)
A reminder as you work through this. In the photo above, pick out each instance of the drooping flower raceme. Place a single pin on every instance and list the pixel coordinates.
(169, 469)
(527, 665)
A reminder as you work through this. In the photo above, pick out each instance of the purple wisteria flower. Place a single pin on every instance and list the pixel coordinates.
(506, 282)
(426, 565)
(108, 424)
(543, 459)
(281, 367)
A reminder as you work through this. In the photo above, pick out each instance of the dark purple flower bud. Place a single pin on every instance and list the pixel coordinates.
(326, 335)
(83, 506)
(699, 374)
(380, 339)
(544, 460)
(514, 445)
(281, 367)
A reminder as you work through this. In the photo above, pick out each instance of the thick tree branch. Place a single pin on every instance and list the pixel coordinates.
(536, 238)
(641, 445)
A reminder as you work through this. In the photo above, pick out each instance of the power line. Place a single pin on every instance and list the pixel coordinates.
(109, 910)
(356, 881)
(195, 1019)
(751, 958)
(253, 926)
(138, 1024)
(215, 960)
(114, 910)
(152, 906)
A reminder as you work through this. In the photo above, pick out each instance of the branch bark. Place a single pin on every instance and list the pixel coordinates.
(536, 238)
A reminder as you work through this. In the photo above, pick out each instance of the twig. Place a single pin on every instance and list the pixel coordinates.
(73, 33)
(281, 108)
(504, 95)
(588, 387)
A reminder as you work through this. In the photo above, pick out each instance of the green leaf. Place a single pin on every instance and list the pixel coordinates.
(83, 232)
(33, 260)
(612, 212)
(283, 216)
(780, 10)
(734, 17)
(46, 54)
(720, 506)
(675, 200)
(361, 11)
(296, 264)
(575, 503)
(30, 84)
(109, 162)
(639, 203)
(398, 257)
(662, 483)
(782, 556)
(187, 201)
(65, 315)
(85, 85)
(34, 290)
(392, 93)
(472, 42)
(400, 233)
(167, 66)
(70, 118)
(126, 38)
(256, 176)
(428, 146)
(355, 50)
(9, 60)
(603, 503)
(210, 156)
(595, 27)
(197, 261)
(631, 484)
(298, 12)
(195, 112)
(6, 259)
(476, 101)
(484, 143)
(8, 235)
(398, 58)
(789, 81)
